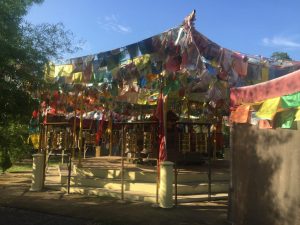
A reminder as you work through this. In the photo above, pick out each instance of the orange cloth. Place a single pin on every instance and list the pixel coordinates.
(240, 115)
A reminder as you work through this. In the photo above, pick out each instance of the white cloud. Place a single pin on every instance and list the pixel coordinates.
(281, 41)
(111, 23)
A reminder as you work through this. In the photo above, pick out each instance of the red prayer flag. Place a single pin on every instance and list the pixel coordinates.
(162, 153)
(100, 130)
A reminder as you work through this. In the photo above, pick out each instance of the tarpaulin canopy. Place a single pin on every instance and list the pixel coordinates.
(281, 86)
(274, 103)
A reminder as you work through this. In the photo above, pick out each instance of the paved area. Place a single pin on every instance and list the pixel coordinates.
(20, 206)
(25, 217)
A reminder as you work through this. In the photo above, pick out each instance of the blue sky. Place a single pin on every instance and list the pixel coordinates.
(257, 27)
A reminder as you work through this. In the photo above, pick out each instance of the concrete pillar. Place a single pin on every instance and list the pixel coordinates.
(166, 185)
(227, 153)
(98, 151)
(37, 172)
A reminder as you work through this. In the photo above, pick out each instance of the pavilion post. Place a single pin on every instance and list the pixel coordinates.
(231, 205)
(209, 165)
(110, 135)
(74, 128)
(45, 153)
(215, 142)
(122, 162)
(80, 130)
(40, 138)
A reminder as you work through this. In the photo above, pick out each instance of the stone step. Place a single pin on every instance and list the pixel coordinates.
(202, 188)
(149, 187)
(128, 195)
(201, 197)
(110, 184)
(148, 176)
(201, 176)
(142, 196)
(106, 173)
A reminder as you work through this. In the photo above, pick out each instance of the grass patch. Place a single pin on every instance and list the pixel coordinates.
(25, 167)
(19, 168)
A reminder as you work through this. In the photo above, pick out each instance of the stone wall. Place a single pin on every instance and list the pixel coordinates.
(266, 176)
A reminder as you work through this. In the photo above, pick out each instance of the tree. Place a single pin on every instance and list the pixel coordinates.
(280, 56)
(24, 51)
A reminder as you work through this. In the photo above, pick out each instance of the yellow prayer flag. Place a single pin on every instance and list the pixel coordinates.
(34, 139)
(49, 72)
(77, 77)
(264, 74)
(268, 109)
(297, 115)
(63, 70)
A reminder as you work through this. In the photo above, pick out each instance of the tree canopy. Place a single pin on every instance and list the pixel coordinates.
(24, 51)
(280, 56)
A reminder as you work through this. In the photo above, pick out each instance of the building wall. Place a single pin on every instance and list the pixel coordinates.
(266, 176)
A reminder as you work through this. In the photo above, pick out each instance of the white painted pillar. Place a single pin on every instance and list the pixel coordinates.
(166, 185)
(37, 172)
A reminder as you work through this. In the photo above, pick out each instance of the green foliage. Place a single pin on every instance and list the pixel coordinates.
(15, 138)
(5, 162)
(24, 51)
(13, 144)
(280, 56)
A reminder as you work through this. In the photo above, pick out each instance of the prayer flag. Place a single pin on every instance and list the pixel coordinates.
(240, 115)
(297, 115)
(290, 101)
(100, 130)
(285, 119)
(268, 109)
(265, 124)
(162, 153)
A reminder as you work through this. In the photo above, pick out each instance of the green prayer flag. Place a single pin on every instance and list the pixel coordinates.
(290, 101)
(286, 119)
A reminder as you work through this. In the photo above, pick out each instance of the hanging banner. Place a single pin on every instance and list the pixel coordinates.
(162, 155)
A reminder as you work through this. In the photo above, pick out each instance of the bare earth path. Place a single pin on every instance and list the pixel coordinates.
(19, 206)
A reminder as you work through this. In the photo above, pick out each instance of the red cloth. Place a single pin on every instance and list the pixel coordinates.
(100, 130)
(162, 153)
(284, 85)
(35, 114)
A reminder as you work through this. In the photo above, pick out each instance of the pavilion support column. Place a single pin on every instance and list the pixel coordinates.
(165, 122)
(74, 128)
(110, 135)
(215, 142)
(122, 161)
(80, 131)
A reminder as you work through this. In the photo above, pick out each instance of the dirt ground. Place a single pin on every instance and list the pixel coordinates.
(20, 206)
